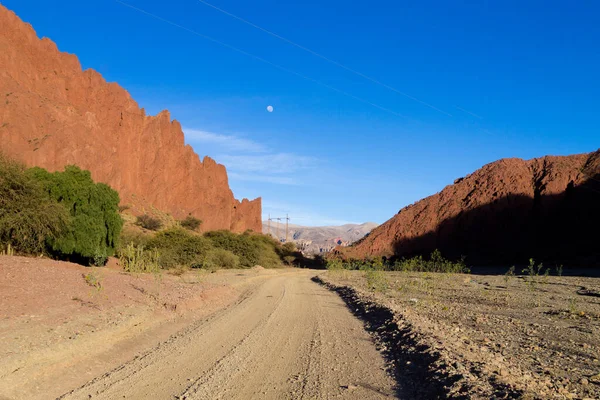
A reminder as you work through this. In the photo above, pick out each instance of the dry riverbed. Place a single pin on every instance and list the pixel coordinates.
(482, 336)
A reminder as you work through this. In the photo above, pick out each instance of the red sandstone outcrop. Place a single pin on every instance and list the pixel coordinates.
(53, 114)
(507, 211)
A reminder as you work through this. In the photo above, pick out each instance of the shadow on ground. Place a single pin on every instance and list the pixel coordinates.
(419, 371)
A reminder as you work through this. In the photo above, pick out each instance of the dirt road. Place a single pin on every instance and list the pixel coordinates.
(287, 338)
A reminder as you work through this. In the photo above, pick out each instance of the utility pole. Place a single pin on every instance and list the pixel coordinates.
(287, 220)
(269, 225)
(278, 219)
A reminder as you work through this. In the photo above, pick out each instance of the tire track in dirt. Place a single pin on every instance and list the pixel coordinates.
(288, 338)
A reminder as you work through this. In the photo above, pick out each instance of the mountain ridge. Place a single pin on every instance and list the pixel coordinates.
(54, 113)
(507, 211)
(320, 239)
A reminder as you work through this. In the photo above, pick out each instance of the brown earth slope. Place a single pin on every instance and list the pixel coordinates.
(507, 211)
(53, 114)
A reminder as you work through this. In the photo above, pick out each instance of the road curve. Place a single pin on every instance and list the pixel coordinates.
(287, 338)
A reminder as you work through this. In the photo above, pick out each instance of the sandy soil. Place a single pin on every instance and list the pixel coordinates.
(235, 335)
(58, 331)
(487, 336)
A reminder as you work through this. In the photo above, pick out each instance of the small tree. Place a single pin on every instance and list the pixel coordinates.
(94, 207)
(28, 217)
(148, 222)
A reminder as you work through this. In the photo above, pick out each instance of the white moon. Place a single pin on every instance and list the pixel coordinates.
(270, 108)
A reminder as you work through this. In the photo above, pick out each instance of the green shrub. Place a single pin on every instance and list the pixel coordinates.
(288, 249)
(135, 236)
(534, 272)
(268, 256)
(95, 223)
(221, 259)
(334, 264)
(436, 263)
(28, 216)
(378, 264)
(252, 249)
(148, 222)
(190, 223)
(289, 260)
(179, 247)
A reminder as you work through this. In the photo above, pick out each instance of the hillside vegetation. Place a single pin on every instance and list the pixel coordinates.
(62, 214)
(178, 248)
(67, 216)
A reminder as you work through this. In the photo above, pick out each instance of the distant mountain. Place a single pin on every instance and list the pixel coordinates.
(319, 239)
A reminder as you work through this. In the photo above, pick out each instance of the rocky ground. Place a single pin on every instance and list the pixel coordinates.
(482, 336)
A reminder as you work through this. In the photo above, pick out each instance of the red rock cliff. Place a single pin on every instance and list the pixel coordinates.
(507, 211)
(52, 114)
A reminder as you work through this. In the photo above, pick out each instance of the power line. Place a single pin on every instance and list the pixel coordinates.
(329, 60)
(236, 49)
(278, 219)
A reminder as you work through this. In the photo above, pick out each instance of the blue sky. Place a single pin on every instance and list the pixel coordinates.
(490, 79)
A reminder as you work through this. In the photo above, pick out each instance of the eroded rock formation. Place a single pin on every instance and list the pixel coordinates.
(506, 212)
(52, 114)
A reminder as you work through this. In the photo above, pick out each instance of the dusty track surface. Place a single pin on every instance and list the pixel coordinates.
(284, 338)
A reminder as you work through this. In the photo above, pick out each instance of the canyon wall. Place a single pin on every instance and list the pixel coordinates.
(53, 114)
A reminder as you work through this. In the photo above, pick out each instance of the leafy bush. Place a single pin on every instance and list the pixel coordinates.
(334, 264)
(289, 260)
(436, 263)
(132, 235)
(221, 259)
(148, 222)
(288, 249)
(179, 247)
(95, 223)
(191, 223)
(378, 263)
(409, 265)
(28, 216)
(252, 249)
